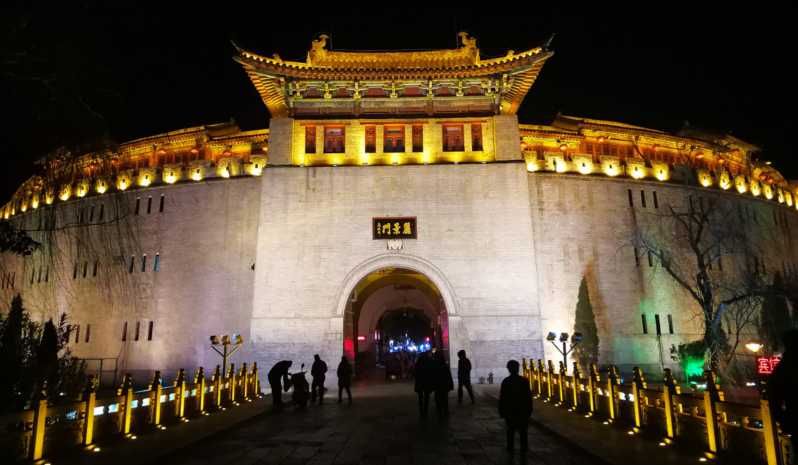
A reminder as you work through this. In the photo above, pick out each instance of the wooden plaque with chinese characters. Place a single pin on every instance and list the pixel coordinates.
(394, 228)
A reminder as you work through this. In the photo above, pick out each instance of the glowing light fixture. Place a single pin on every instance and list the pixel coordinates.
(65, 193)
(585, 167)
(145, 180)
(767, 189)
(34, 201)
(170, 176)
(122, 183)
(196, 174)
(611, 168)
(756, 188)
(724, 181)
(637, 171)
(101, 186)
(740, 184)
(395, 159)
(753, 347)
(49, 197)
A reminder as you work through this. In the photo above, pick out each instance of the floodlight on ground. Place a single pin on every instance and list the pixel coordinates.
(215, 340)
(551, 336)
(563, 337)
(226, 341)
(576, 338)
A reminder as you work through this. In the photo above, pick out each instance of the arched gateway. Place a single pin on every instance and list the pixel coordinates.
(390, 285)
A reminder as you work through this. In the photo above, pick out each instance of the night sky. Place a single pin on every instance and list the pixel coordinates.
(88, 73)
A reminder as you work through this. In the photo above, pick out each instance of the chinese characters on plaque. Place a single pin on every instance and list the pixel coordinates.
(766, 365)
(394, 228)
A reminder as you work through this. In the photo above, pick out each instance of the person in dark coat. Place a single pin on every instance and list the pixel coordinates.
(318, 371)
(344, 373)
(463, 377)
(423, 382)
(782, 388)
(443, 384)
(515, 405)
(279, 372)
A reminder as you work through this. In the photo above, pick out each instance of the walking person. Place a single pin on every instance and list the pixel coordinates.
(443, 384)
(782, 389)
(318, 372)
(464, 377)
(515, 406)
(278, 374)
(344, 373)
(423, 384)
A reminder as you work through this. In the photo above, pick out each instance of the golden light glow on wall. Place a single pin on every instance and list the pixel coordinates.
(101, 186)
(123, 182)
(661, 171)
(171, 174)
(780, 195)
(256, 165)
(23, 206)
(34, 201)
(196, 174)
(395, 159)
(146, 177)
(755, 188)
(636, 170)
(767, 189)
(583, 164)
(532, 165)
(49, 197)
(65, 193)
(724, 180)
(788, 198)
(741, 184)
(610, 166)
(704, 178)
(82, 188)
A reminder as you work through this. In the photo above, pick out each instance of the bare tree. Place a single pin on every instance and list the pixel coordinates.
(707, 248)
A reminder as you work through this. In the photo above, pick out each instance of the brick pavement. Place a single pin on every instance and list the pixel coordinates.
(382, 427)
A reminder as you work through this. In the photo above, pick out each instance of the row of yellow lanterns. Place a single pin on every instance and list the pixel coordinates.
(612, 166)
(145, 178)
(584, 164)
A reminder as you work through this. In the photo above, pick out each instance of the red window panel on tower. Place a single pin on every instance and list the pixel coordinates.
(453, 138)
(334, 139)
(310, 139)
(394, 139)
(371, 139)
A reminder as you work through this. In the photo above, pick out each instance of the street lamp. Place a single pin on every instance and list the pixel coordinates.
(754, 347)
(225, 341)
(576, 338)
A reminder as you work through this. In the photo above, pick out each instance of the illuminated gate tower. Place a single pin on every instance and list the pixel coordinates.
(353, 224)
(388, 183)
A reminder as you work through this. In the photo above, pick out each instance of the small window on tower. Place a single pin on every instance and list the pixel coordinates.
(371, 139)
(453, 138)
(394, 140)
(476, 137)
(310, 139)
(333, 139)
(418, 138)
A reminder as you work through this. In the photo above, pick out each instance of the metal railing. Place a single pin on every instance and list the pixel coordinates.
(47, 431)
(706, 425)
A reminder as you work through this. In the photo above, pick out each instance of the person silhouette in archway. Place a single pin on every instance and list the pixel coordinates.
(443, 384)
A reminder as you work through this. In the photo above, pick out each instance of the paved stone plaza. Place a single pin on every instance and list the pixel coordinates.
(382, 427)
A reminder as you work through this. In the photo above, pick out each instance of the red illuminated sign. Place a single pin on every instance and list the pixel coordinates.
(766, 365)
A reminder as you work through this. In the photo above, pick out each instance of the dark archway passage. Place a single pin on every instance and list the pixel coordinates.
(393, 313)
